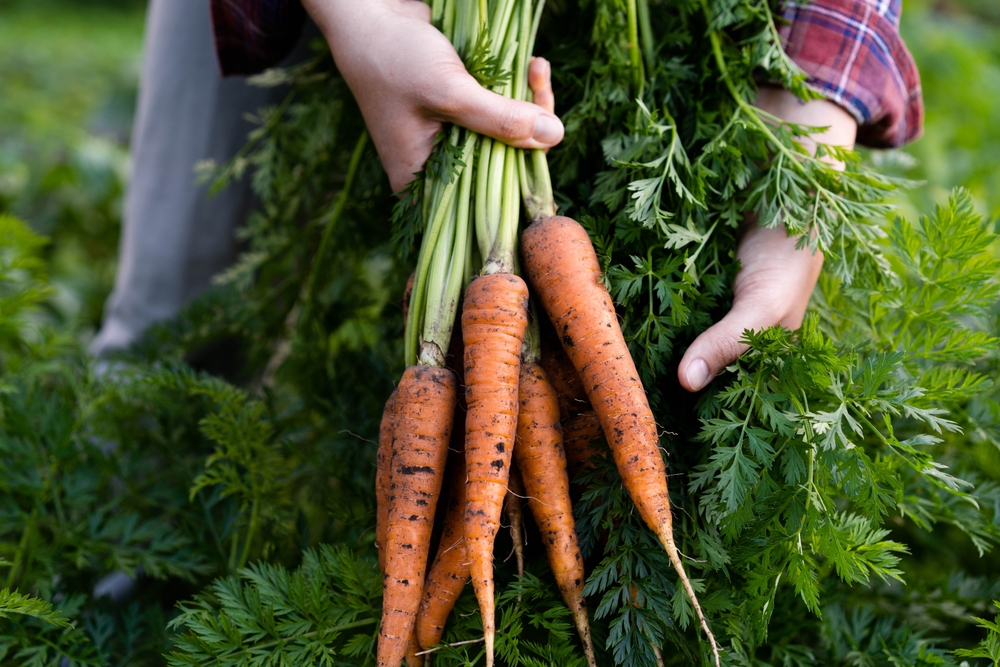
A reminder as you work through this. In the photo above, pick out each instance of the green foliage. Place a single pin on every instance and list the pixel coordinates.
(990, 647)
(955, 47)
(69, 77)
(270, 616)
(15, 603)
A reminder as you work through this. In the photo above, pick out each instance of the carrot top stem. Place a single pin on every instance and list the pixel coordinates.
(536, 185)
(448, 271)
(319, 259)
(503, 247)
(440, 262)
(520, 87)
(532, 347)
(437, 11)
(489, 182)
(634, 54)
(448, 19)
(500, 21)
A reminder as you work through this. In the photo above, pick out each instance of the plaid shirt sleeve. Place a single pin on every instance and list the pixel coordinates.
(854, 56)
(251, 35)
(850, 49)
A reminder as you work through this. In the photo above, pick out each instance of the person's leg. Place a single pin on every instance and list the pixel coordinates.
(175, 237)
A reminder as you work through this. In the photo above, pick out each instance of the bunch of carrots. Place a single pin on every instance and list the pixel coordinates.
(490, 396)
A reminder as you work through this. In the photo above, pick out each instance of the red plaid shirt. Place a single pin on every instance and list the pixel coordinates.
(850, 49)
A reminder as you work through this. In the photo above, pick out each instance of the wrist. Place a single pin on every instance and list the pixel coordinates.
(841, 127)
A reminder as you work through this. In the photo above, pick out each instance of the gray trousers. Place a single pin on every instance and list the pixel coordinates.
(174, 236)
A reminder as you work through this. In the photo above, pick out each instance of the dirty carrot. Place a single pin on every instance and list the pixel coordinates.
(383, 475)
(494, 318)
(539, 453)
(578, 435)
(515, 516)
(450, 571)
(566, 381)
(425, 405)
(560, 262)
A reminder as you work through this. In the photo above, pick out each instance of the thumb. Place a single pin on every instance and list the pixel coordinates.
(720, 345)
(519, 124)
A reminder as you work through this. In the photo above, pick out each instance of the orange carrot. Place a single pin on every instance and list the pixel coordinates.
(578, 434)
(515, 516)
(425, 408)
(560, 262)
(494, 319)
(539, 454)
(413, 653)
(450, 570)
(566, 381)
(383, 461)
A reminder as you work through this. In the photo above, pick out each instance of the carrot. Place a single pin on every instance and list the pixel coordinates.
(424, 410)
(494, 319)
(578, 434)
(450, 571)
(566, 381)
(560, 262)
(383, 461)
(539, 453)
(515, 516)
(413, 655)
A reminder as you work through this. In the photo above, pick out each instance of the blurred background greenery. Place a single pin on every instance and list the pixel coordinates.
(68, 75)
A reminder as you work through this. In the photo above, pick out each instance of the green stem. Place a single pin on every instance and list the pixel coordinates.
(483, 211)
(211, 524)
(439, 221)
(234, 545)
(437, 276)
(520, 90)
(539, 7)
(500, 20)
(319, 260)
(493, 197)
(448, 20)
(444, 318)
(634, 54)
(501, 257)
(536, 186)
(646, 33)
(532, 347)
(251, 531)
(22, 548)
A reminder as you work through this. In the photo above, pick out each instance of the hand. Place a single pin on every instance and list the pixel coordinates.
(408, 80)
(775, 279)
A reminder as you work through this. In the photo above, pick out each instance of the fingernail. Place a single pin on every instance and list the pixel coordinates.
(697, 374)
(548, 130)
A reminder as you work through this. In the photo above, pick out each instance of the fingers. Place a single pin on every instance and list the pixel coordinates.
(540, 81)
(520, 124)
(720, 345)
